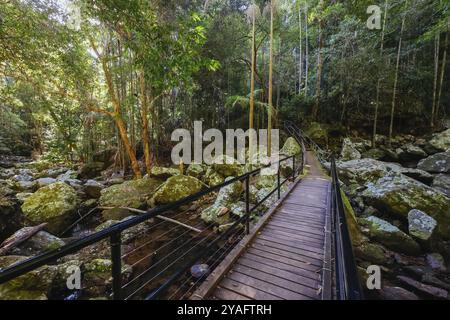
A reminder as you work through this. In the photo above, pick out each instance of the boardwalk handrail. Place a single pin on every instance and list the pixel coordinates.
(114, 232)
(348, 286)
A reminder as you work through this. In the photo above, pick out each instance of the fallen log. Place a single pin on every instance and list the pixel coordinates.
(19, 237)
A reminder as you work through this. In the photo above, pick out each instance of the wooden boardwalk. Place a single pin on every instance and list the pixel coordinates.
(287, 254)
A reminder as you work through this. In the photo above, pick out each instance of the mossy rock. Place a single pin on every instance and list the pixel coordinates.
(352, 224)
(177, 188)
(197, 170)
(163, 172)
(131, 194)
(227, 166)
(212, 178)
(34, 285)
(291, 147)
(54, 204)
(391, 236)
(398, 195)
(371, 252)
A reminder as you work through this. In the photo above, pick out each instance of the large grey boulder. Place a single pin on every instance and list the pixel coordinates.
(131, 194)
(177, 188)
(421, 225)
(397, 194)
(437, 163)
(441, 182)
(391, 236)
(349, 151)
(54, 204)
(219, 212)
(440, 141)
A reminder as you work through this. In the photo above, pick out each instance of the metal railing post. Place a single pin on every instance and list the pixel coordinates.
(293, 167)
(247, 204)
(279, 182)
(116, 258)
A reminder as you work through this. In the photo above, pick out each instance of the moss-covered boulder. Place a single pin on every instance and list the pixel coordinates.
(177, 188)
(54, 204)
(131, 194)
(398, 195)
(391, 236)
(227, 166)
(38, 243)
(361, 171)
(213, 178)
(352, 224)
(440, 141)
(349, 151)
(318, 132)
(437, 163)
(219, 212)
(92, 170)
(197, 170)
(372, 253)
(421, 225)
(34, 285)
(291, 147)
(163, 172)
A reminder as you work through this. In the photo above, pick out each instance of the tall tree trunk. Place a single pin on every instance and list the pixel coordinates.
(377, 102)
(116, 114)
(441, 81)
(252, 80)
(306, 50)
(315, 111)
(269, 116)
(394, 95)
(300, 27)
(145, 130)
(435, 79)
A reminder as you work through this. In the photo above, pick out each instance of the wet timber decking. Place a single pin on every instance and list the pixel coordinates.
(287, 254)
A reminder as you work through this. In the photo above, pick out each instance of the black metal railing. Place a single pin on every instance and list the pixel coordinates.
(348, 286)
(114, 234)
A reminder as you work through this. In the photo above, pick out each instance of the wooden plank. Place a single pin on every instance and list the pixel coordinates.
(275, 281)
(300, 239)
(293, 268)
(225, 294)
(308, 256)
(246, 290)
(274, 248)
(297, 221)
(292, 243)
(266, 287)
(306, 236)
(314, 234)
(286, 260)
(292, 277)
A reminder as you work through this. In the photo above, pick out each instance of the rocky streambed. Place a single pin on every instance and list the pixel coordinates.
(43, 207)
(400, 212)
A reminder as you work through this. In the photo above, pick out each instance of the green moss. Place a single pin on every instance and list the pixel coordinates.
(291, 147)
(131, 194)
(352, 224)
(177, 188)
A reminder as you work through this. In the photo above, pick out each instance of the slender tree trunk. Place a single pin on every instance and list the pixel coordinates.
(391, 125)
(116, 114)
(441, 81)
(306, 50)
(435, 79)
(145, 130)
(252, 80)
(269, 116)
(300, 27)
(315, 111)
(377, 102)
